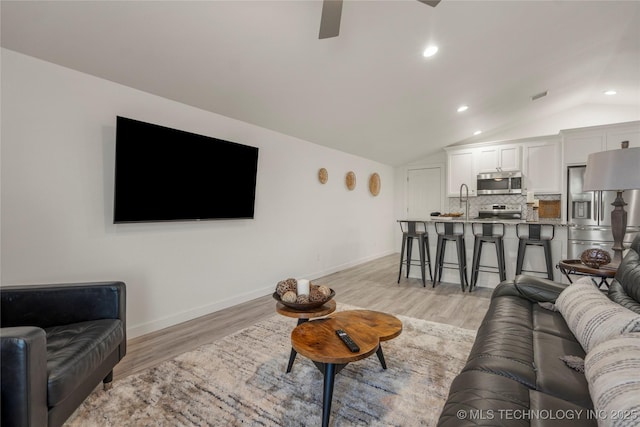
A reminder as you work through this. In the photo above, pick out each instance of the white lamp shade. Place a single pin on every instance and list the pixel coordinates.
(614, 170)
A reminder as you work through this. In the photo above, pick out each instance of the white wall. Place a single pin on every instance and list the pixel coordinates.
(58, 139)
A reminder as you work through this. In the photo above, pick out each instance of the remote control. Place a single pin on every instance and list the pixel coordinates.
(348, 341)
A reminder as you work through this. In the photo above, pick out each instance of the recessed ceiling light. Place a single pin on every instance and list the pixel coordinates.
(610, 92)
(463, 108)
(478, 132)
(430, 51)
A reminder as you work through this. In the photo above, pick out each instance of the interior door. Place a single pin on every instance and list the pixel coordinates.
(424, 192)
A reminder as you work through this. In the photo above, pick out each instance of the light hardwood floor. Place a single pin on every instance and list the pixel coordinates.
(370, 285)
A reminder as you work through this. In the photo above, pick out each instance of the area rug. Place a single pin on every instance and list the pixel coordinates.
(241, 380)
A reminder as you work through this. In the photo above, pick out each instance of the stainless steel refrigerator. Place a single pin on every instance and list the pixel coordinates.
(589, 215)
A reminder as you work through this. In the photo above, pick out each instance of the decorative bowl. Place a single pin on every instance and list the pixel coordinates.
(594, 257)
(303, 307)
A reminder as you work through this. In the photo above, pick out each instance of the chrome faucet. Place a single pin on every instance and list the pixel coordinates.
(466, 200)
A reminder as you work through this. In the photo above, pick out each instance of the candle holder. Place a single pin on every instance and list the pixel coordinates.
(532, 213)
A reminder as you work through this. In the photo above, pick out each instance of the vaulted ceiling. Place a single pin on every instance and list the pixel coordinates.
(368, 91)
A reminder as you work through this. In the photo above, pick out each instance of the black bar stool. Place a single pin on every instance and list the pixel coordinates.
(487, 233)
(451, 231)
(536, 235)
(415, 230)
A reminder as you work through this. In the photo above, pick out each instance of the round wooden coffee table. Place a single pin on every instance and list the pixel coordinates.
(304, 316)
(386, 325)
(318, 341)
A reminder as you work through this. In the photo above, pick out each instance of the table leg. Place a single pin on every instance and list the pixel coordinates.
(565, 272)
(292, 356)
(327, 396)
(603, 281)
(380, 355)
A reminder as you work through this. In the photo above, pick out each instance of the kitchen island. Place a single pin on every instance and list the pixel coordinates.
(534, 259)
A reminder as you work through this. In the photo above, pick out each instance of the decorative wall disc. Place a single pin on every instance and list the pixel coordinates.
(374, 184)
(350, 180)
(323, 176)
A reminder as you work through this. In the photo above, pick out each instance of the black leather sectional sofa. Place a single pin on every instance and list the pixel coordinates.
(57, 342)
(514, 375)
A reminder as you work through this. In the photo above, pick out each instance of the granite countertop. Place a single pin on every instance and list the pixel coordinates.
(554, 221)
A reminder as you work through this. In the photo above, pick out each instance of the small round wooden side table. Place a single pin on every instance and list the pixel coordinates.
(575, 266)
(304, 316)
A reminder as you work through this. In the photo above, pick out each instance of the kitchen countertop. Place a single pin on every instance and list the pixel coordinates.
(554, 221)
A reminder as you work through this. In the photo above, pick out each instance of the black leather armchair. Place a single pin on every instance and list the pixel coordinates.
(57, 342)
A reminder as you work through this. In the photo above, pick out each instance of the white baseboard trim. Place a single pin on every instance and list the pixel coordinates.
(346, 265)
(186, 315)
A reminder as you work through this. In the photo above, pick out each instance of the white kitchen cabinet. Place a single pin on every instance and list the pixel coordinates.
(499, 157)
(461, 169)
(627, 132)
(510, 158)
(543, 166)
(578, 146)
(579, 143)
(542, 160)
(487, 159)
(464, 164)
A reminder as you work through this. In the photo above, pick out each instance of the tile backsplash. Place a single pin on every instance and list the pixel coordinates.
(476, 202)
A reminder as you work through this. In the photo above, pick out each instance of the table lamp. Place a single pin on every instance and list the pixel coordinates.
(614, 170)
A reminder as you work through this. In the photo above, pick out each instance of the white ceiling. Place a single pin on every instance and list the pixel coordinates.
(369, 91)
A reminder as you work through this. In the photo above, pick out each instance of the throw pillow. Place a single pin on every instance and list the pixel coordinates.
(592, 317)
(612, 370)
(584, 279)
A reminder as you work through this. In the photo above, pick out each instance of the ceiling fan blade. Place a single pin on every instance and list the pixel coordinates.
(432, 3)
(330, 21)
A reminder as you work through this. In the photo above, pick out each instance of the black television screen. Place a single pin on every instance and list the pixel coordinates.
(164, 174)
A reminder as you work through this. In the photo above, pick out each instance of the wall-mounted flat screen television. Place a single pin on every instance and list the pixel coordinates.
(164, 174)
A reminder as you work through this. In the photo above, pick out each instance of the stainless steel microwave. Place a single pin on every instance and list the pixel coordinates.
(499, 183)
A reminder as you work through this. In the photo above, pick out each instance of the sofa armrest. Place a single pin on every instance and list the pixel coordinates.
(23, 351)
(61, 304)
(531, 288)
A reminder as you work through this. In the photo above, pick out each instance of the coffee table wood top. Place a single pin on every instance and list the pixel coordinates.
(317, 340)
(386, 325)
(327, 308)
